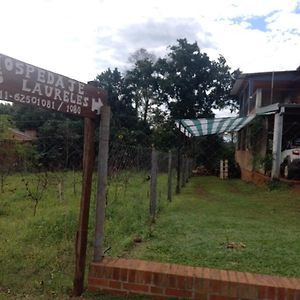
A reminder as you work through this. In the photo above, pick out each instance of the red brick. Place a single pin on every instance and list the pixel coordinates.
(116, 273)
(295, 282)
(247, 291)
(107, 272)
(199, 296)
(185, 282)
(251, 278)
(232, 276)
(98, 282)
(92, 288)
(224, 275)
(206, 273)
(156, 290)
(271, 293)
(112, 274)
(131, 276)
(215, 286)
(241, 278)
(280, 294)
(178, 293)
(201, 285)
(172, 281)
(143, 277)
(225, 285)
(198, 272)
(114, 292)
(233, 288)
(262, 292)
(290, 294)
(135, 287)
(115, 284)
(160, 280)
(215, 274)
(218, 297)
(124, 275)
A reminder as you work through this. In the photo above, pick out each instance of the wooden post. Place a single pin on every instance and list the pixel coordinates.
(221, 169)
(277, 139)
(226, 169)
(82, 233)
(153, 184)
(102, 182)
(187, 161)
(191, 168)
(178, 186)
(182, 177)
(170, 176)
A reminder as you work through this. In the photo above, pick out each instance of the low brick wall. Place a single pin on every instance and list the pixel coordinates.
(164, 281)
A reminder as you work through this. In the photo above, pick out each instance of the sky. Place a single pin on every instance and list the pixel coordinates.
(81, 39)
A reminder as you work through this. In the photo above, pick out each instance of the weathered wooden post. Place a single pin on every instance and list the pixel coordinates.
(81, 236)
(226, 169)
(221, 169)
(187, 161)
(21, 81)
(182, 175)
(153, 184)
(170, 176)
(178, 180)
(102, 182)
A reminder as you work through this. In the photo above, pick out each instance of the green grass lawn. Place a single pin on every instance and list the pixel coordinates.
(37, 252)
(229, 225)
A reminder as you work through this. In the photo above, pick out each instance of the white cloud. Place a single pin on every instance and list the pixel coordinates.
(80, 38)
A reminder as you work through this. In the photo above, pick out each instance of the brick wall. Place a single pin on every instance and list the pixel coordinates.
(163, 281)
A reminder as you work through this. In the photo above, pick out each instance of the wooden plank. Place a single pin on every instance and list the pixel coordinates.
(82, 233)
(30, 85)
(153, 184)
(101, 183)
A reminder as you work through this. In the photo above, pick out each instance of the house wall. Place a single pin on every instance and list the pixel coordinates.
(248, 155)
(244, 158)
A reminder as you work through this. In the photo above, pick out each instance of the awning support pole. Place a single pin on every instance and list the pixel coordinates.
(277, 140)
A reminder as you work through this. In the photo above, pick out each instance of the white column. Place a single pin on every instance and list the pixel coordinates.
(277, 139)
(258, 99)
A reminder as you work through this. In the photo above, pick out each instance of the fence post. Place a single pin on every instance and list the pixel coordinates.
(183, 170)
(221, 169)
(178, 186)
(226, 169)
(81, 236)
(191, 168)
(101, 183)
(153, 184)
(170, 176)
(187, 170)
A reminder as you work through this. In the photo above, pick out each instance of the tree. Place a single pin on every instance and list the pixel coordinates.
(140, 55)
(191, 84)
(59, 136)
(142, 87)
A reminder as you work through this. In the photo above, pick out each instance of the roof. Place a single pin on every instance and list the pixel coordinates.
(21, 136)
(266, 76)
(203, 126)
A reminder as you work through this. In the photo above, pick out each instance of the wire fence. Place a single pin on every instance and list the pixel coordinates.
(141, 181)
(48, 169)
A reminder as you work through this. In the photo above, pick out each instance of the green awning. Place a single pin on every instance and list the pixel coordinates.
(201, 127)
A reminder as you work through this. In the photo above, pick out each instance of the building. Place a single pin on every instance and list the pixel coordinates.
(273, 99)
